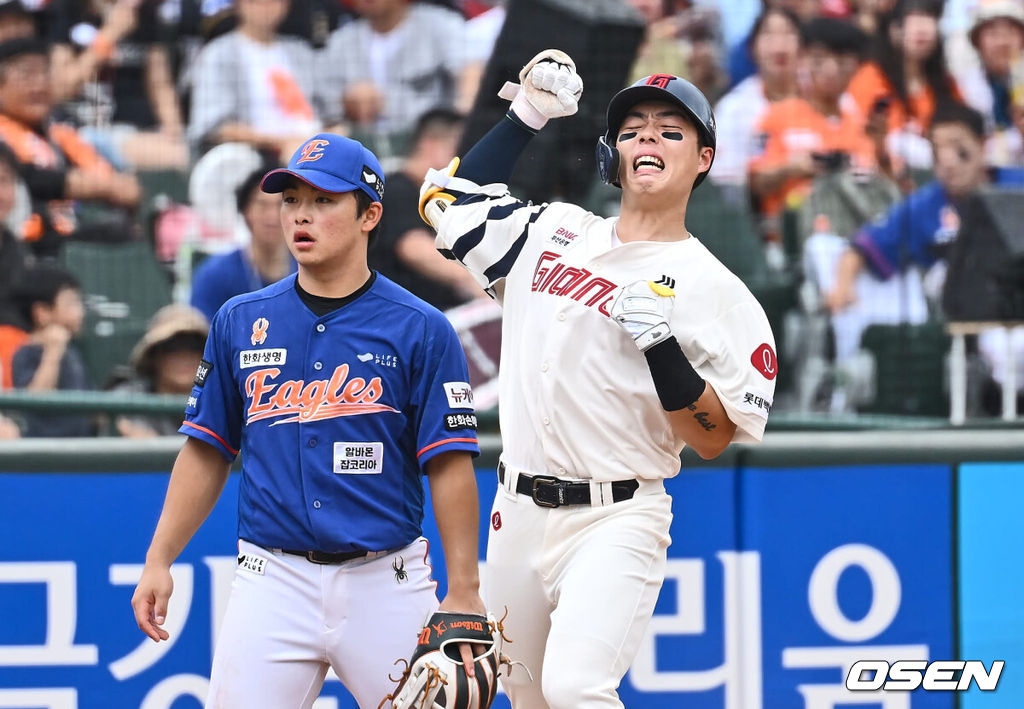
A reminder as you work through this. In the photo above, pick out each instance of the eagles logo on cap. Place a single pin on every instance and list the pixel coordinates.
(332, 163)
(313, 150)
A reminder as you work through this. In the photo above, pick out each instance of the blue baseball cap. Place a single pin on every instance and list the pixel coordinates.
(332, 163)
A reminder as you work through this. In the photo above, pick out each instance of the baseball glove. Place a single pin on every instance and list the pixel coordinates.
(435, 677)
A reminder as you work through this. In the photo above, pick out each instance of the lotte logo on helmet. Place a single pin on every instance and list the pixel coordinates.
(660, 80)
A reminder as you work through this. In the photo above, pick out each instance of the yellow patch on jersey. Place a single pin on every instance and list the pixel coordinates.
(661, 290)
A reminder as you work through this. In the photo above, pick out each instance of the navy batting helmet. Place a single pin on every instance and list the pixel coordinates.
(657, 87)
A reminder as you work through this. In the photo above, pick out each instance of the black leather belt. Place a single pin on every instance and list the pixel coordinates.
(548, 491)
(323, 557)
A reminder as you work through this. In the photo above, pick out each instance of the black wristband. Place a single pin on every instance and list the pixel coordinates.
(675, 380)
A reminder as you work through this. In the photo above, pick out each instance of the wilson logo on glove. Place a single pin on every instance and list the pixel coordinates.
(435, 677)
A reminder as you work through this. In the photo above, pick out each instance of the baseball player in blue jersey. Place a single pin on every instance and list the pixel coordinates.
(341, 389)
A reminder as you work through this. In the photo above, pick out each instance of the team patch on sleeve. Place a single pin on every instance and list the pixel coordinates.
(360, 458)
(203, 372)
(460, 422)
(765, 361)
(460, 395)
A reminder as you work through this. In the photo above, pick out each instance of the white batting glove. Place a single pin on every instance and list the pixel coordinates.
(643, 309)
(549, 88)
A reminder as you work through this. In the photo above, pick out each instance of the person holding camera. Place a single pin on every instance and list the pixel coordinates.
(800, 138)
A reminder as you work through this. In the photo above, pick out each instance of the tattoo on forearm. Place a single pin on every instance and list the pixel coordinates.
(702, 418)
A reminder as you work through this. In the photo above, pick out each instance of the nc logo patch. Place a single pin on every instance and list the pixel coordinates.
(259, 331)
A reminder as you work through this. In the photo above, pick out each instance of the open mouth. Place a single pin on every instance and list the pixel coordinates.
(302, 237)
(648, 161)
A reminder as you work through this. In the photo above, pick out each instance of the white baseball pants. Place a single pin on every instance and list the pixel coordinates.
(284, 627)
(580, 584)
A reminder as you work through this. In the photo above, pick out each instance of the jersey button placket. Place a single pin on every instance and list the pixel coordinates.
(320, 327)
(316, 504)
(318, 366)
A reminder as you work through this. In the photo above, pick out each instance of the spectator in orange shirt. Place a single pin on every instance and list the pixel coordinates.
(906, 80)
(800, 138)
(58, 167)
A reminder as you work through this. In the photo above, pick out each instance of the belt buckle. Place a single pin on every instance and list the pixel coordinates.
(559, 486)
(312, 558)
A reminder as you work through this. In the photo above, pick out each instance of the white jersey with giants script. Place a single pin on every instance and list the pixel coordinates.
(576, 395)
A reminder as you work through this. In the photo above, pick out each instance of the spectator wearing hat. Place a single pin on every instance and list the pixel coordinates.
(55, 162)
(15, 20)
(997, 34)
(164, 361)
(263, 261)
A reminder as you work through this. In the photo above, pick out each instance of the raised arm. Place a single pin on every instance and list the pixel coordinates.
(549, 88)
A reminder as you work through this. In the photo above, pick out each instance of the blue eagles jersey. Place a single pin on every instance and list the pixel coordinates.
(909, 232)
(336, 416)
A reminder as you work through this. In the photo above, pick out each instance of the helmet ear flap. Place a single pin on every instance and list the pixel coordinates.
(607, 162)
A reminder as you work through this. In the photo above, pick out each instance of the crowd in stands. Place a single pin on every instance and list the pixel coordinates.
(851, 133)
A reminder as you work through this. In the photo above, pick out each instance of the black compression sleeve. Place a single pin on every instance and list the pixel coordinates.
(675, 380)
(492, 158)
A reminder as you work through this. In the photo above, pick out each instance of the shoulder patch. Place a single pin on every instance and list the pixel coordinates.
(203, 372)
(460, 422)
(459, 394)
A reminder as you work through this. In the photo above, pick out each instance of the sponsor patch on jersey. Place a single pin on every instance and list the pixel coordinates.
(459, 422)
(460, 395)
(384, 360)
(252, 563)
(756, 402)
(258, 358)
(562, 237)
(361, 458)
(203, 372)
(765, 361)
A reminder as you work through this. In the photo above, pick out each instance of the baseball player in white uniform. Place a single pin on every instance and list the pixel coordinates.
(623, 341)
